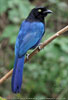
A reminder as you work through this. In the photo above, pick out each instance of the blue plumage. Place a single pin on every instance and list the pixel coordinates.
(29, 36)
(17, 74)
(31, 31)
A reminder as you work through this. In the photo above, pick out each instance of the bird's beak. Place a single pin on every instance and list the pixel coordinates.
(47, 11)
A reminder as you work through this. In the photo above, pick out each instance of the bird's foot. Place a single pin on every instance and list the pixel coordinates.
(39, 46)
(27, 55)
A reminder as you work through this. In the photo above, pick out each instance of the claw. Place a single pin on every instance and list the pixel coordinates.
(27, 55)
(39, 46)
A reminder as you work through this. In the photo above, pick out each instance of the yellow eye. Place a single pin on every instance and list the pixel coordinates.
(39, 10)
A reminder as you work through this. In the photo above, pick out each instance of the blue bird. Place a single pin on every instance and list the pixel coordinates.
(31, 31)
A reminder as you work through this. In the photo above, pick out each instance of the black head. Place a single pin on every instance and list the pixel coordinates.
(38, 14)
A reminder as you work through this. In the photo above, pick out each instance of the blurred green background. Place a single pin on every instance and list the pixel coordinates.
(46, 75)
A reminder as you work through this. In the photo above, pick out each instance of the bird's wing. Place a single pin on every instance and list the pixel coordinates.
(28, 39)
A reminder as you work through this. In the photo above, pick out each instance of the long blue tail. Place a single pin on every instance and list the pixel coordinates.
(17, 74)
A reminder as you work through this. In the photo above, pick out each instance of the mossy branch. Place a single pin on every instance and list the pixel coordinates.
(46, 42)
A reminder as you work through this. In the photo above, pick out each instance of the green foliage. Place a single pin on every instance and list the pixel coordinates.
(2, 98)
(3, 6)
(18, 11)
(10, 32)
(60, 8)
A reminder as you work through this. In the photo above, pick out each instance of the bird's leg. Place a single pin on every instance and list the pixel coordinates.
(27, 55)
(39, 46)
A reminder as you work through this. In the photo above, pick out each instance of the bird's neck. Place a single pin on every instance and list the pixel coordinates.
(32, 18)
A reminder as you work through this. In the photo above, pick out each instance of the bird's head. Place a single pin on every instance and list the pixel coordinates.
(43, 11)
(39, 13)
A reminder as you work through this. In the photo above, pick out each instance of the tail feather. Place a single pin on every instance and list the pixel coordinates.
(17, 74)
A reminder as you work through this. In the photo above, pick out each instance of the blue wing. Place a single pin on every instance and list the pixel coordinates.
(29, 35)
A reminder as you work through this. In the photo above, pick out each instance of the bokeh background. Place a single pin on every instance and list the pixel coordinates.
(46, 75)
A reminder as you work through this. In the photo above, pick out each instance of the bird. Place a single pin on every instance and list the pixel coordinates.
(30, 33)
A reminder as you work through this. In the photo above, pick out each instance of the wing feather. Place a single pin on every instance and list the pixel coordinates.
(29, 41)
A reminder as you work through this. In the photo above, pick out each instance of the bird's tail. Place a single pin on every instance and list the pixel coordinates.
(17, 74)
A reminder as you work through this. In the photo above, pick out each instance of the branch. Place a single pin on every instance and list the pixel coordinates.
(46, 42)
(61, 96)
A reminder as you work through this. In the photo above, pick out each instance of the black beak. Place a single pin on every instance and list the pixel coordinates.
(47, 11)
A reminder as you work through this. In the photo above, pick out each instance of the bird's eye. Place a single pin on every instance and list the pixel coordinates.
(39, 10)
